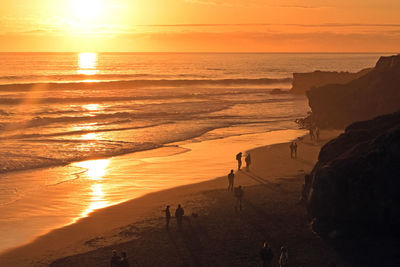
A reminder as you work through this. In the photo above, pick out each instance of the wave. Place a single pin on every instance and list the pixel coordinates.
(19, 162)
(98, 85)
(81, 77)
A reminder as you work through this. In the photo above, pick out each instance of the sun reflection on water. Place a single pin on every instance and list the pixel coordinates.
(89, 136)
(95, 170)
(92, 107)
(87, 63)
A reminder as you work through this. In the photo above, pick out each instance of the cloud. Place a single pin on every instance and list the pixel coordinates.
(250, 3)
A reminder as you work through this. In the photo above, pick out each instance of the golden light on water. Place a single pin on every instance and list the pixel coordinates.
(97, 200)
(96, 169)
(89, 136)
(92, 107)
(87, 63)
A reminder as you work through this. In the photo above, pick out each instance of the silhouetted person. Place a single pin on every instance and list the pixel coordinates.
(311, 134)
(179, 216)
(115, 259)
(239, 159)
(124, 260)
(266, 255)
(239, 195)
(295, 149)
(317, 133)
(284, 258)
(231, 177)
(248, 161)
(291, 149)
(167, 216)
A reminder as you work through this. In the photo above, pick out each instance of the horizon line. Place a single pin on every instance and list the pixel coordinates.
(198, 52)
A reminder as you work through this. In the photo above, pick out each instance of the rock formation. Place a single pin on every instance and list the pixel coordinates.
(354, 187)
(373, 94)
(302, 82)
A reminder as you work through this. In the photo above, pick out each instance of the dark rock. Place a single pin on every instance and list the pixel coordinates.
(355, 184)
(376, 93)
(305, 81)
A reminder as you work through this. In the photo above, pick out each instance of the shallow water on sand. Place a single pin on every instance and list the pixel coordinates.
(58, 196)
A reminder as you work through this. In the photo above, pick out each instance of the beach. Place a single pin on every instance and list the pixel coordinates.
(271, 211)
(84, 138)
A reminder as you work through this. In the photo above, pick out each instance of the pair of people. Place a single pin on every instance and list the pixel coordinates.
(119, 261)
(247, 160)
(267, 255)
(179, 212)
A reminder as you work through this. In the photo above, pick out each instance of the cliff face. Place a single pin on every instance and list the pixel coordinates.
(354, 187)
(373, 94)
(305, 81)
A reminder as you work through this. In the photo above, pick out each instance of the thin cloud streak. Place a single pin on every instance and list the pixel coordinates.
(271, 24)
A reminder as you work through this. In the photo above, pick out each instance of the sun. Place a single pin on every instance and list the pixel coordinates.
(88, 9)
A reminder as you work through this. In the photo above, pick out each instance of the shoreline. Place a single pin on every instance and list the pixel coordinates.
(154, 169)
(99, 223)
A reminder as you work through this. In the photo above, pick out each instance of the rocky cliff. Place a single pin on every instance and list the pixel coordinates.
(375, 93)
(305, 81)
(354, 187)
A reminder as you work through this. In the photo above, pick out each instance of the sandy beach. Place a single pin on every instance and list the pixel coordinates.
(217, 237)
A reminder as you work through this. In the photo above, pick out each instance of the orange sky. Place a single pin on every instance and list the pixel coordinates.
(200, 25)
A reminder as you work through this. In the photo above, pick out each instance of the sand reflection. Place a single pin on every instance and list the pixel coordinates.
(87, 63)
(95, 170)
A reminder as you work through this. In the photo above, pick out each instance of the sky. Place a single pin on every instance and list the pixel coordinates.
(199, 25)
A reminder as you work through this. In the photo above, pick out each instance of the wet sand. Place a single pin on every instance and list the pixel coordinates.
(219, 236)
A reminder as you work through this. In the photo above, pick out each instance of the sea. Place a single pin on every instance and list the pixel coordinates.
(57, 109)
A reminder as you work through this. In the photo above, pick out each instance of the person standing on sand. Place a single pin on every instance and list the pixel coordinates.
(291, 149)
(284, 258)
(317, 133)
(248, 161)
(167, 216)
(239, 160)
(124, 260)
(179, 216)
(266, 255)
(115, 259)
(231, 177)
(239, 195)
(311, 133)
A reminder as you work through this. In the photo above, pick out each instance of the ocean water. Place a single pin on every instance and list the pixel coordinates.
(65, 107)
(60, 108)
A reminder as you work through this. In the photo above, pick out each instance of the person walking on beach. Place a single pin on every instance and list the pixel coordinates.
(317, 133)
(124, 260)
(311, 130)
(239, 195)
(295, 149)
(231, 177)
(266, 255)
(239, 159)
(284, 258)
(167, 216)
(115, 259)
(179, 216)
(248, 161)
(291, 149)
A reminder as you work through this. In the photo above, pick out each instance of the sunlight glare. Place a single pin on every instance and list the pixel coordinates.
(92, 107)
(89, 136)
(88, 9)
(97, 200)
(87, 63)
(96, 169)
